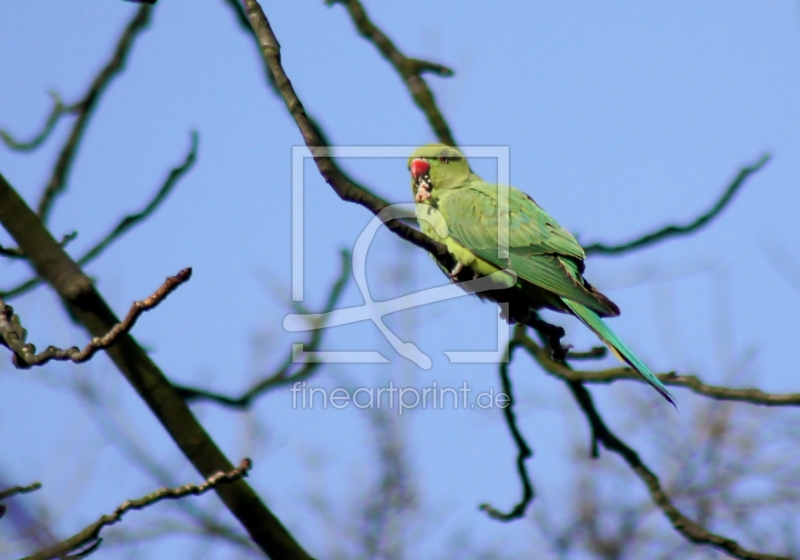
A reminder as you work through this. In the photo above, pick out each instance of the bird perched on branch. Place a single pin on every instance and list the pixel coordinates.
(547, 259)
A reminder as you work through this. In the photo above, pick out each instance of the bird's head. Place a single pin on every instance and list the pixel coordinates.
(436, 166)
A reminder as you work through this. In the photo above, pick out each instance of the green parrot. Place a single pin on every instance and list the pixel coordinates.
(547, 259)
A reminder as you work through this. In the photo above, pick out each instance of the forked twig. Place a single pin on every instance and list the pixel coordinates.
(12, 335)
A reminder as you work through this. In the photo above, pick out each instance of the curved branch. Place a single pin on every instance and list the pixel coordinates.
(410, 69)
(691, 382)
(285, 374)
(85, 108)
(89, 540)
(523, 449)
(680, 230)
(690, 530)
(313, 123)
(12, 335)
(602, 435)
(58, 111)
(270, 50)
(126, 224)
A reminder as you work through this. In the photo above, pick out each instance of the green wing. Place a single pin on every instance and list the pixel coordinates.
(540, 251)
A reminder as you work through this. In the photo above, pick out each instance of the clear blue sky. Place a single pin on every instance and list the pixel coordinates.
(620, 117)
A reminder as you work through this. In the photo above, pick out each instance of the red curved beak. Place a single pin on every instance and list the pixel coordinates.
(419, 167)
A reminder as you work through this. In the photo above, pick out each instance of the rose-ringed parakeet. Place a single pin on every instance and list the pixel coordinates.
(547, 260)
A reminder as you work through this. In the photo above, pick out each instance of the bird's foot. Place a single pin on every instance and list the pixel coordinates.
(453, 275)
(559, 350)
(553, 334)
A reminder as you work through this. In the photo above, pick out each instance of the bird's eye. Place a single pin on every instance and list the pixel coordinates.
(444, 160)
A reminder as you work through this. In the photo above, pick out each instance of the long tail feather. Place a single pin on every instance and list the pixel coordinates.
(620, 350)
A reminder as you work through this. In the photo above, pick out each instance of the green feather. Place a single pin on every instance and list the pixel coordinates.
(598, 326)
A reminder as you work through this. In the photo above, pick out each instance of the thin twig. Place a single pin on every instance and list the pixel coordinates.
(596, 353)
(16, 491)
(58, 111)
(346, 190)
(89, 540)
(681, 230)
(691, 382)
(15, 253)
(85, 108)
(125, 224)
(285, 374)
(523, 449)
(602, 435)
(12, 335)
(132, 220)
(410, 69)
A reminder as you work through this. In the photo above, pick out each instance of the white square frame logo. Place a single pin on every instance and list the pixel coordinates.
(375, 310)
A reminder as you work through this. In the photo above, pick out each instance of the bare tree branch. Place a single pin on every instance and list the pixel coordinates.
(14, 253)
(346, 190)
(58, 111)
(523, 450)
(12, 335)
(123, 226)
(116, 434)
(131, 220)
(286, 374)
(313, 123)
(16, 491)
(690, 530)
(681, 230)
(410, 69)
(88, 308)
(85, 108)
(595, 353)
(691, 382)
(601, 434)
(89, 540)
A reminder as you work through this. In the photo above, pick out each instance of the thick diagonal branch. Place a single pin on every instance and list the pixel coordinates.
(15, 253)
(681, 230)
(88, 540)
(410, 69)
(88, 308)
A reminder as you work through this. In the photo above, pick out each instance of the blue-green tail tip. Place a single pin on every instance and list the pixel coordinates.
(596, 324)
